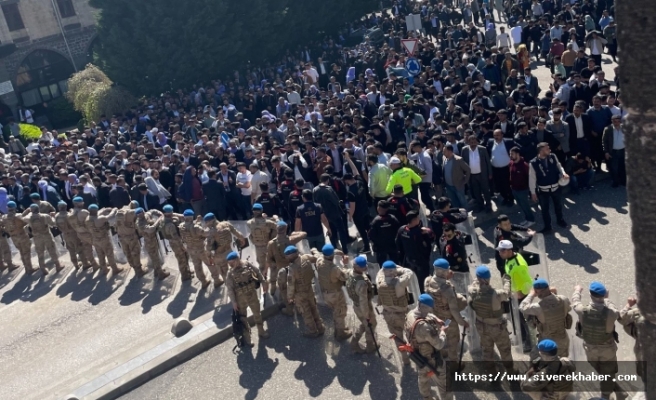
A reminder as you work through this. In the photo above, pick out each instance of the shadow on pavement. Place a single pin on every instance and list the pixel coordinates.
(182, 299)
(7, 277)
(79, 285)
(108, 284)
(33, 287)
(159, 291)
(256, 370)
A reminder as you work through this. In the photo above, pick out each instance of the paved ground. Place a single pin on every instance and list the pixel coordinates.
(287, 366)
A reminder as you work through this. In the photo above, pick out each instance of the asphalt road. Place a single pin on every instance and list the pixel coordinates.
(288, 366)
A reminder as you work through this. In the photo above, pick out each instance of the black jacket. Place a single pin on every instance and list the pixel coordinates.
(119, 197)
(215, 198)
(151, 202)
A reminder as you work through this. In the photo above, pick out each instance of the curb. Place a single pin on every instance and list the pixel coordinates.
(162, 358)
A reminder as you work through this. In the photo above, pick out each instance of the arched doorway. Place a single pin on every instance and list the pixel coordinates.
(42, 77)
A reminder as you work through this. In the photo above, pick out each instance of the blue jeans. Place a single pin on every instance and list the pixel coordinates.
(457, 197)
(521, 196)
(581, 181)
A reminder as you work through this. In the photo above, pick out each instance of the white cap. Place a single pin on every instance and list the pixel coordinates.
(395, 160)
(505, 245)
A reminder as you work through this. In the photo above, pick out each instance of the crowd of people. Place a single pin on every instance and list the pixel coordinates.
(328, 134)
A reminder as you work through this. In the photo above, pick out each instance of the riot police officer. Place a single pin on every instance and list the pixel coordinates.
(382, 234)
(392, 282)
(551, 314)
(452, 248)
(445, 214)
(415, 244)
(491, 326)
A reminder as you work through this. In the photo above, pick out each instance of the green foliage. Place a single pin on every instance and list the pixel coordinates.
(62, 114)
(93, 94)
(29, 132)
(152, 46)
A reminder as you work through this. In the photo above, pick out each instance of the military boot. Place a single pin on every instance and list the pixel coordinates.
(205, 283)
(321, 328)
(13, 267)
(262, 332)
(218, 282)
(59, 267)
(288, 310)
(186, 275)
(343, 334)
(162, 274)
(355, 345)
(141, 271)
(44, 271)
(29, 271)
(117, 270)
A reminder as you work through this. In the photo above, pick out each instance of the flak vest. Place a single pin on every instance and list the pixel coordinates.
(260, 231)
(436, 289)
(593, 326)
(39, 225)
(189, 237)
(387, 295)
(553, 311)
(482, 300)
(352, 282)
(427, 350)
(303, 274)
(546, 176)
(125, 227)
(244, 278)
(170, 230)
(325, 267)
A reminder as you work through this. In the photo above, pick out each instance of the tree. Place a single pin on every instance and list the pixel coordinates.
(635, 36)
(94, 94)
(151, 46)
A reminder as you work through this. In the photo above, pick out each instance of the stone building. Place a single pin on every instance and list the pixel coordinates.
(42, 42)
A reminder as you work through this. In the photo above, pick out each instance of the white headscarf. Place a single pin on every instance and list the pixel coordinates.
(157, 189)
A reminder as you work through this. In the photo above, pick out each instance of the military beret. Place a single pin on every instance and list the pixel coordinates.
(290, 250)
(540, 284)
(389, 264)
(93, 206)
(281, 223)
(78, 199)
(483, 272)
(34, 206)
(427, 300)
(441, 263)
(139, 211)
(360, 261)
(188, 213)
(597, 289)
(133, 202)
(328, 250)
(11, 204)
(35, 196)
(232, 256)
(258, 206)
(168, 208)
(61, 203)
(208, 217)
(548, 346)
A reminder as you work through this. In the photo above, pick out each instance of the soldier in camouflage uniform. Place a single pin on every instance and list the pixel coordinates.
(276, 253)
(77, 218)
(217, 246)
(14, 226)
(171, 233)
(426, 334)
(551, 313)
(262, 231)
(147, 226)
(98, 225)
(392, 282)
(632, 321)
(193, 235)
(300, 293)
(73, 244)
(448, 305)
(241, 283)
(492, 327)
(331, 281)
(40, 225)
(361, 291)
(5, 251)
(126, 230)
(44, 206)
(597, 328)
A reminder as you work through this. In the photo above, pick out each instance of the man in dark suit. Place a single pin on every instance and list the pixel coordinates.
(278, 171)
(229, 181)
(478, 159)
(499, 150)
(88, 198)
(531, 82)
(146, 199)
(507, 127)
(580, 130)
(118, 195)
(215, 196)
(336, 153)
(48, 193)
(189, 159)
(102, 191)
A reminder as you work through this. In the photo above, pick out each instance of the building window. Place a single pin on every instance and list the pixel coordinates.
(42, 76)
(66, 8)
(13, 17)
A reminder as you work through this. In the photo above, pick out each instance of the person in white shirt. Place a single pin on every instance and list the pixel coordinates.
(244, 178)
(516, 34)
(258, 176)
(479, 162)
(503, 39)
(500, 160)
(310, 74)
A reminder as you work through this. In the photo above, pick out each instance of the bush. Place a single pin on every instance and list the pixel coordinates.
(93, 94)
(61, 113)
(29, 132)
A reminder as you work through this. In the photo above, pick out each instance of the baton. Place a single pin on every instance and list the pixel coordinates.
(462, 348)
(373, 336)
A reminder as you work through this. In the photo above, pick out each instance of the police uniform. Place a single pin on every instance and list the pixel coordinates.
(241, 284)
(294, 201)
(361, 291)
(271, 204)
(382, 234)
(299, 291)
(448, 305)
(415, 246)
(262, 231)
(331, 281)
(546, 174)
(425, 336)
(597, 328)
(517, 240)
(455, 252)
(440, 217)
(392, 282)
(401, 206)
(491, 326)
(310, 215)
(552, 315)
(548, 374)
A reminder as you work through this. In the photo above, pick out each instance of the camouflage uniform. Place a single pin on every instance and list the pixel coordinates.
(262, 231)
(448, 305)
(551, 314)
(192, 234)
(240, 283)
(126, 229)
(217, 246)
(361, 291)
(492, 327)
(299, 289)
(426, 336)
(45, 207)
(632, 320)
(276, 256)
(5, 250)
(40, 225)
(331, 281)
(14, 226)
(283, 273)
(393, 297)
(172, 234)
(147, 228)
(73, 244)
(77, 218)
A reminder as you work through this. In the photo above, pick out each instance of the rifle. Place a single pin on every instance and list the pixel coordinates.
(462, 347)
(417, 358)
(373, 336)
(237, 330)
